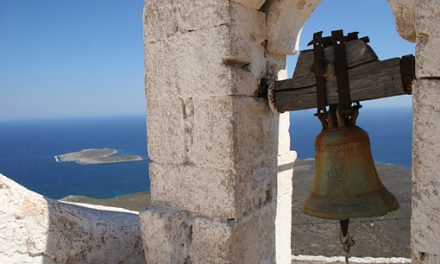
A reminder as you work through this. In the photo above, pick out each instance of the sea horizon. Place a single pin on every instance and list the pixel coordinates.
(29, 147)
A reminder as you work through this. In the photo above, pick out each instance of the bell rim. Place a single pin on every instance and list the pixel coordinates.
(372, 212)
(388, 204)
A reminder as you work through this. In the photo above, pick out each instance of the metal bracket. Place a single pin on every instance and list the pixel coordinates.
(319, 66)
(345, 112)
(341, 71)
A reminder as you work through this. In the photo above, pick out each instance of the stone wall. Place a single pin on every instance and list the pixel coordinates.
(217, 152)
(35, 229)
(425, 222)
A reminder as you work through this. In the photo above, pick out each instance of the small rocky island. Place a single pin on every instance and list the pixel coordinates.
(96, 156)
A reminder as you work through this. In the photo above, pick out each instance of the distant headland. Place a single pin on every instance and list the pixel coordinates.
(96, 156)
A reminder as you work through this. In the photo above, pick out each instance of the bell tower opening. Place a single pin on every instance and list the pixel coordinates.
(388, 122)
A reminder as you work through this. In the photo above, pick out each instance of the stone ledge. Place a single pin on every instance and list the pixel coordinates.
(38, 229)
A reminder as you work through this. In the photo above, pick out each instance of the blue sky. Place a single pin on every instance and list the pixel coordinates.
(71, 58)
(85, 57)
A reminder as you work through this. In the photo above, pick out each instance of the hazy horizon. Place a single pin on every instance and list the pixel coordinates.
(83, 58)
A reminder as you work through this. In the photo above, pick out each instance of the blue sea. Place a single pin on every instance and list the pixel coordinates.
(27, 150)
(390, 131)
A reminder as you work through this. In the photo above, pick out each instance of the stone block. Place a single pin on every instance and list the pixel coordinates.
(255, 152)
(213, 145)
(248, 36)
(245, 241)
(201, 14)
(236, 132)
(425, 227)
(199, 62)
(166, 233)
(165, 18)
(241, 149)
(243, 82)
(254, 240)
(426, 142)
(202, 191)
(255, 134)
(166, 130)
(189, 65)
(227, 139)
(212, 242)
(161, 80)
(253, 4)
(428, 38)
(193, 65)
(159, 20)
(425, 220)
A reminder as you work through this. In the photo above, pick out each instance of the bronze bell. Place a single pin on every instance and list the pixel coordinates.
(346, 184)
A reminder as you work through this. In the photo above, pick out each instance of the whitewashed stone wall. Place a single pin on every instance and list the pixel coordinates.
(35, 229)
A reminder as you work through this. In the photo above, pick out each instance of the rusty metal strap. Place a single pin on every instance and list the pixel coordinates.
(341, 71)
(318, 69)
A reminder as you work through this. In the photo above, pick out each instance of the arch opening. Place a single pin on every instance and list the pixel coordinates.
(388, 121)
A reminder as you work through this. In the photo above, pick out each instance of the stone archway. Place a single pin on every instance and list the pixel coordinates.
(220, 161)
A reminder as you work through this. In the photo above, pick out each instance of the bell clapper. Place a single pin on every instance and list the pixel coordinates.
(345, 238)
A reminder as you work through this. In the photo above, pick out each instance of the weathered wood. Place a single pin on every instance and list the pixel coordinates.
(358, 52)
(368, 81)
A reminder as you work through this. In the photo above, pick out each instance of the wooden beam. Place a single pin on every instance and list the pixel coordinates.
(373, 80)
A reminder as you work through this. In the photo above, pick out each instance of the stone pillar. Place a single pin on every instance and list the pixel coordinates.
(220, 164)
(425, 221)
